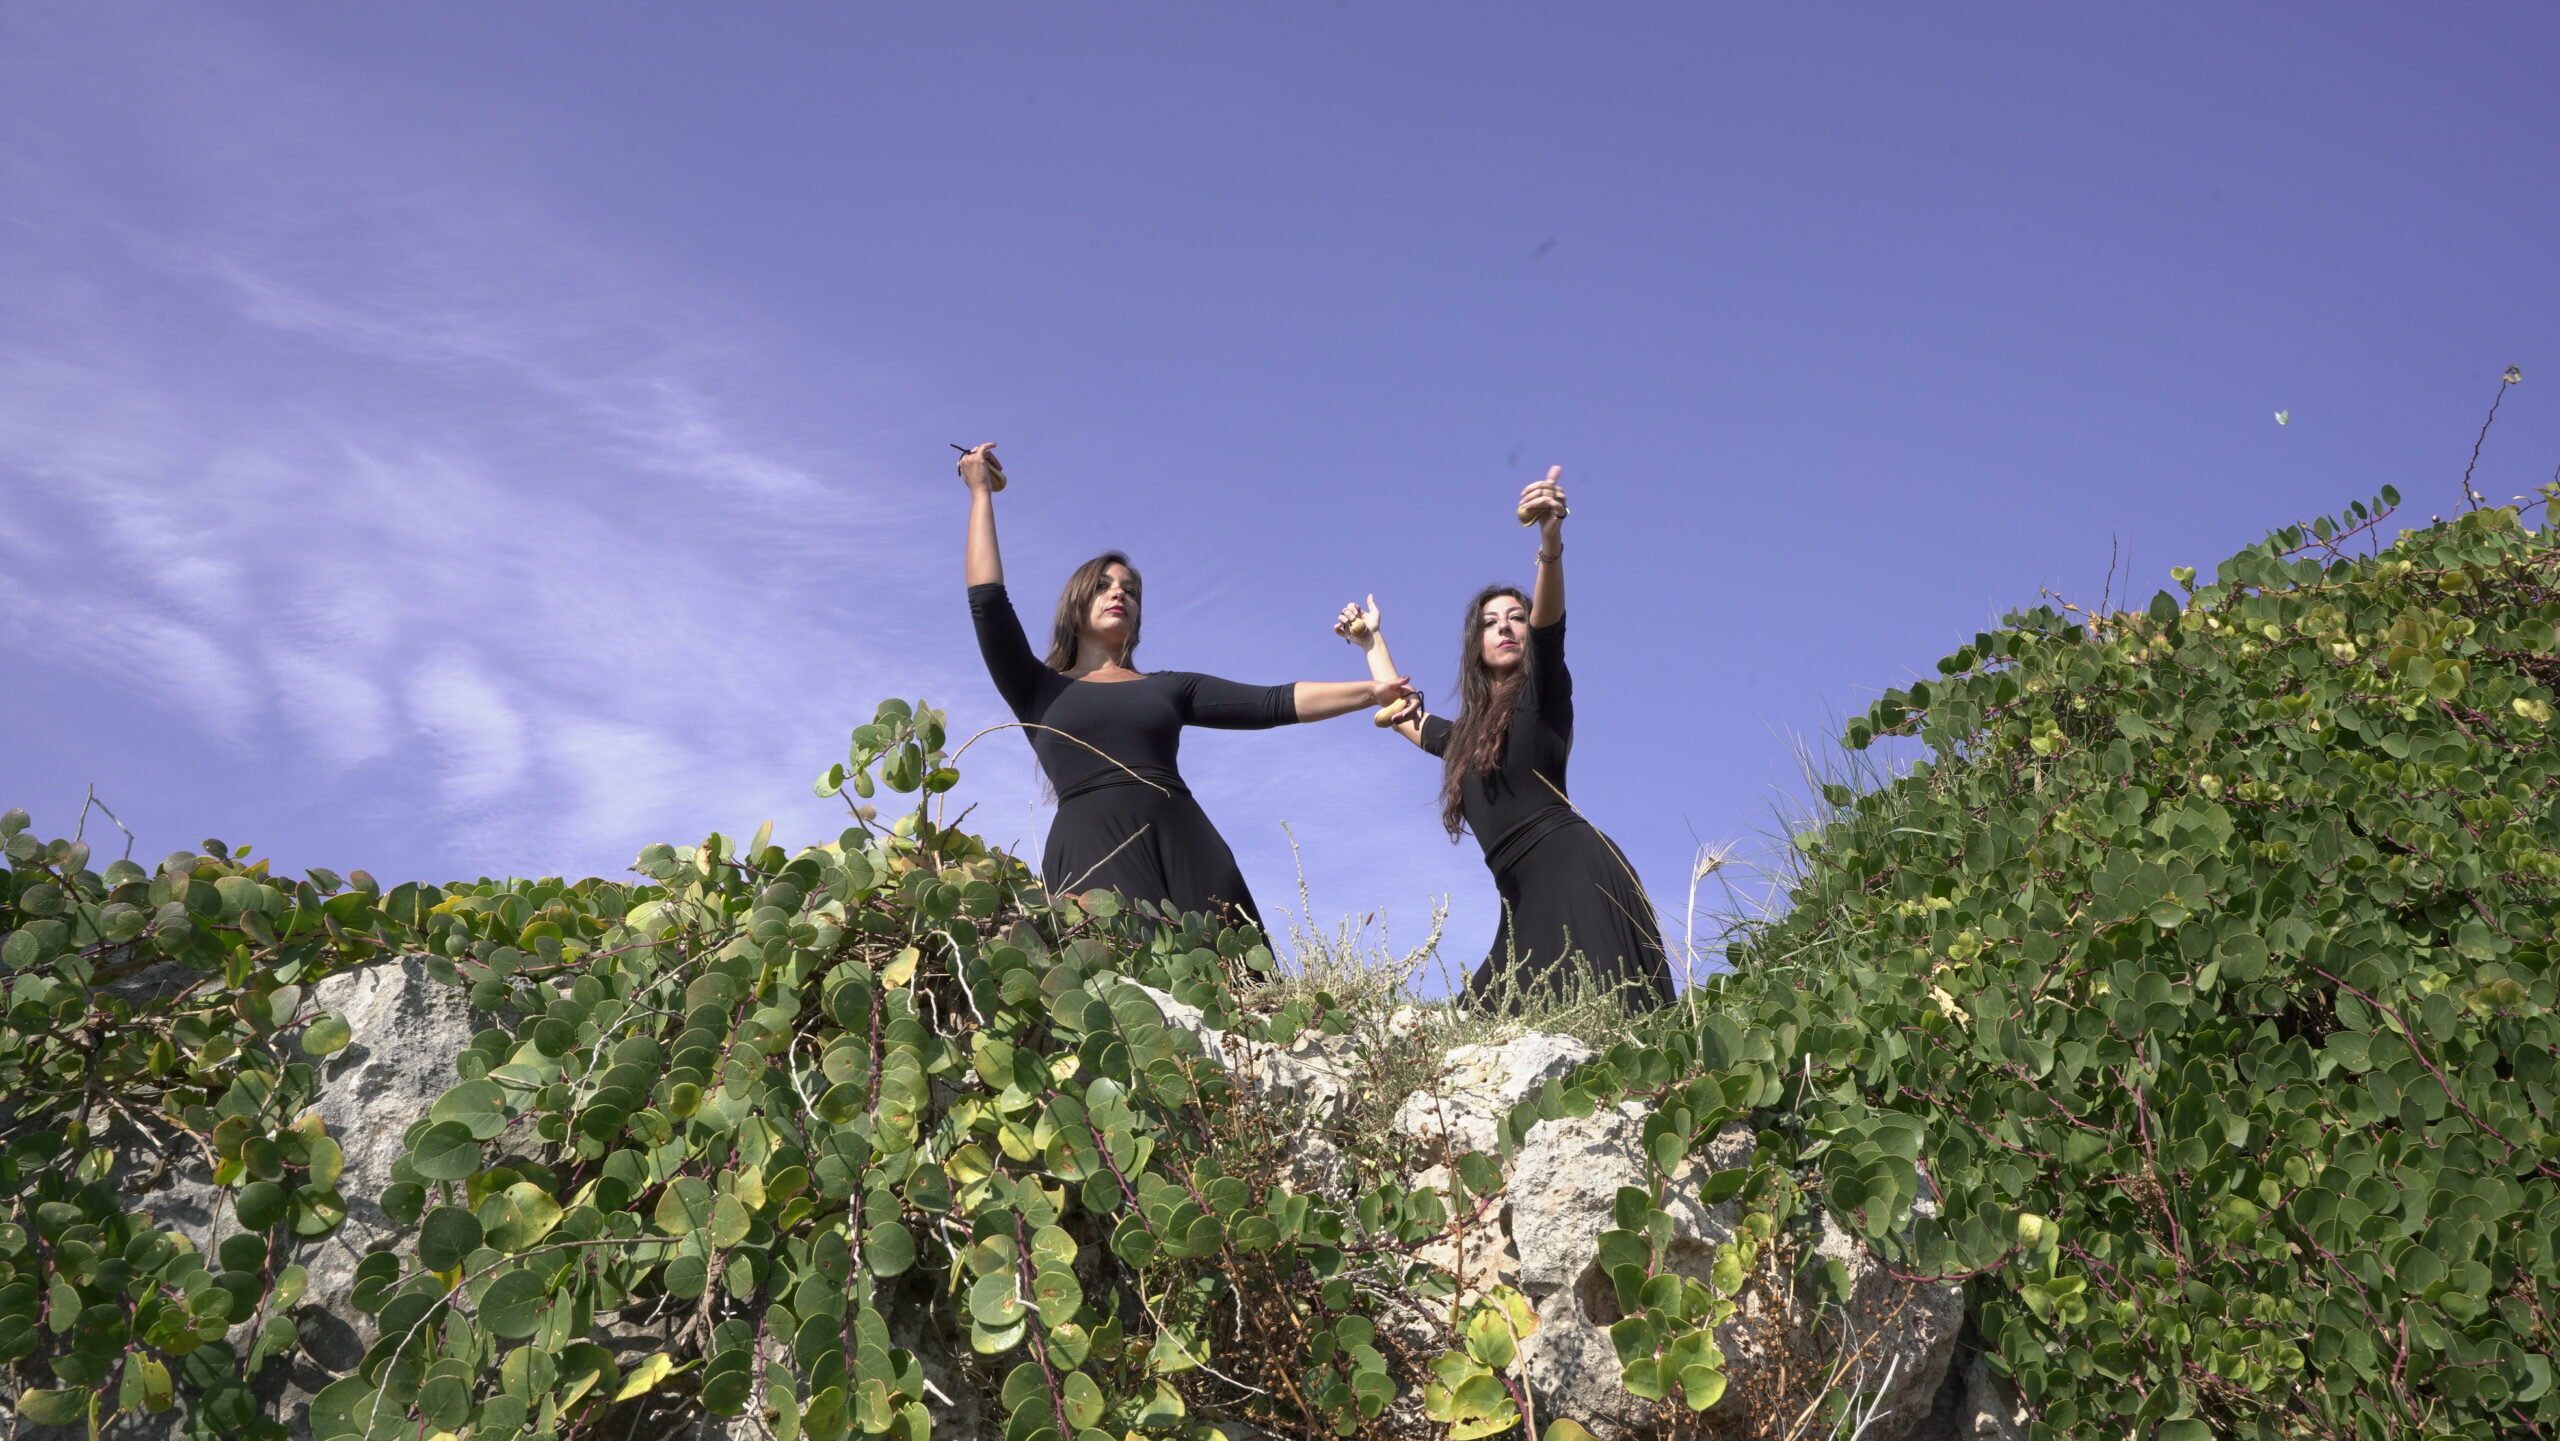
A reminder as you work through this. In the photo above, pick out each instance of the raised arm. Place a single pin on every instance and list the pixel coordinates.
(1360, 625)
(1542, 502)
(984, 477)
(1011, 663)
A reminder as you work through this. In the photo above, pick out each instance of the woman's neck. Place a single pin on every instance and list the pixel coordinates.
(1093, 662)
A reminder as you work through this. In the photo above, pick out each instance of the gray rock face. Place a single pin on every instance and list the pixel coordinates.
(1894, 1340)
(405, 1031)
(1991, 1410)
(1463, 1108)
(1897, 1337)
(1312, 1072)
(1564, 1187)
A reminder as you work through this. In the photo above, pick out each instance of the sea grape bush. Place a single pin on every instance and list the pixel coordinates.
(814, 1141)
(156, 1018)
(2204, 974)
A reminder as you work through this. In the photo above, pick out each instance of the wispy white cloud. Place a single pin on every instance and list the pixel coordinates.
(410, 478)
(479, 735)
(343, 715)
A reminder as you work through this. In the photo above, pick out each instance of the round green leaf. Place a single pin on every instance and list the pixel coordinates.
(445, 1402)
(479, 1106)
(326, 1035)
(1055, 1292)
(339, 1409)
(512, 1306)
(889, 1249)
(995, 1301)
(445, 1151)
(261, 1205)
(327, 1162)
(730, 1221)
(1082, 1399)
(403, 1200)
(448, 1234)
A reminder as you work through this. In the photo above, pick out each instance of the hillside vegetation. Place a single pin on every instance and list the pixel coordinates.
(2198, 982)
(2205, 966)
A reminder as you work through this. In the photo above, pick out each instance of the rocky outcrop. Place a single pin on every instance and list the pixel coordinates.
(404, 1031)
(1462, 1108)
(1893, 1340)
(1898, 1337)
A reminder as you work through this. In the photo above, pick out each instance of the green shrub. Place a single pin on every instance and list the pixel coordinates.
(2206, 967)
(154, 1017)
(757, 1135)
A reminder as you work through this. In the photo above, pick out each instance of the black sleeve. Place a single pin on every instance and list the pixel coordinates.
(1205, 700)
(1435, 735)
(1550, 684)
(1016, 671)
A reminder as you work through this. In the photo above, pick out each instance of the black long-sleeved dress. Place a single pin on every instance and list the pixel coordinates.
(1565, 886)
(1141, 835)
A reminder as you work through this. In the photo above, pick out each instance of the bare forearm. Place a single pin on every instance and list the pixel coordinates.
(1324, 699)
(1546, 597)
(1381, 665)
(986, 563)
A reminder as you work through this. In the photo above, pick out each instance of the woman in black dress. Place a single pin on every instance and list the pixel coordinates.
(1566, 888)
(1106, 735)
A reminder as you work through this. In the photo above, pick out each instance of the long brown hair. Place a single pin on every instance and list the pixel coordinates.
(1077, 598)
(1485, 700)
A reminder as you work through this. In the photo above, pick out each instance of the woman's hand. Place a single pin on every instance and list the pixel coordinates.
(1358, 624)
(1391, 692)
(1397, 712)
(1542, 503)
(978, 468)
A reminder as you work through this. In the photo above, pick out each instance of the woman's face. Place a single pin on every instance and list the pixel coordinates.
(1113, 612)
(1502, 628)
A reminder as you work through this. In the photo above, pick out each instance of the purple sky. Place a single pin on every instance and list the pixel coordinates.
(489, 438)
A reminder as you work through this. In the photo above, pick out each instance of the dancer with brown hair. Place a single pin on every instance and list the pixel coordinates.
(1566, 888)
(1107, 735)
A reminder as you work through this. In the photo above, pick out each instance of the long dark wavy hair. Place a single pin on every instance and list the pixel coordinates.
(1077, 598)
(1485, 699)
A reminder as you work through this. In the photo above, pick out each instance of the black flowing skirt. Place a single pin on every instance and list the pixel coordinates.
(1572, 892)
(1149, 846)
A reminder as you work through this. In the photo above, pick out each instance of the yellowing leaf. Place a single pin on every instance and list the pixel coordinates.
(653, 1368)
(901, 970)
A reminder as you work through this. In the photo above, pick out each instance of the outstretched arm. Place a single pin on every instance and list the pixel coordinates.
(1360, 625)
(1543, 502)
(1205, 700)
(984, 477)
(1325, 699)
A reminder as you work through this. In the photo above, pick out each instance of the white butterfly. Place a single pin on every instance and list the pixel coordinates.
(2284, 417)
